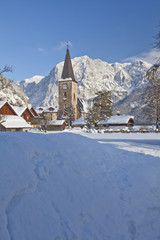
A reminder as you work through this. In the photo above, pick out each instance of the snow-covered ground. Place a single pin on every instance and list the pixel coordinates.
(79, 186)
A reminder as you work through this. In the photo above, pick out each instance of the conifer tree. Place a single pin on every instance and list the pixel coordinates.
(102, 107)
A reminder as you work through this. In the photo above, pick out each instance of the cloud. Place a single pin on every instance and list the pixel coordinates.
(151, 56)
(62, 45)
(41, 50)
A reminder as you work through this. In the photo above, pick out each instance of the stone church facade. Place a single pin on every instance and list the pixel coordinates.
(67, 91)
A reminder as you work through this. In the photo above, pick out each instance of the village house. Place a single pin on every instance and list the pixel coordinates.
(13, 123)
(14, 118)
(54, 125)
(24, 112)
(6, 109)
(80, 122)
(118, 122)
(49, 113)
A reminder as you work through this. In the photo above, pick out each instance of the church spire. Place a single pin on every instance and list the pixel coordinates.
(67, 68)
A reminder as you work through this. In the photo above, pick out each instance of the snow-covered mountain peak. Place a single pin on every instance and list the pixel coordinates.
(92, 75)
(35, 79)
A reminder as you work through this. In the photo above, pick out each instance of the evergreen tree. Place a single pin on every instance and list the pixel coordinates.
(102, 107)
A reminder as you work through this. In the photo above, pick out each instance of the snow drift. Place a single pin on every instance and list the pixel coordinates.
(66, 186)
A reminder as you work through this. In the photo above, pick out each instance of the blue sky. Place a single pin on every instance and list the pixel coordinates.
(32, 33)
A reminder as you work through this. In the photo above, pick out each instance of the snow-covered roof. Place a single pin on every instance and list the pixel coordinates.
(118, 119)
(56, 122)
(19, 110)
(12, 121)
(2, 103)
(46, 109)
(66, 79)
(79, 121)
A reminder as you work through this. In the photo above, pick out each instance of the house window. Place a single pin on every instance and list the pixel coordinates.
(65, 86)
(74, 97)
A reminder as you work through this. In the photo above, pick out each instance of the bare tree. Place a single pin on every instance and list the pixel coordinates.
(153, 94)
(68, 114)
(157, 37)
(6, 68)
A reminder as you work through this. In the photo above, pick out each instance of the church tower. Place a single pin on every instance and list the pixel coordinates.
(68, 89)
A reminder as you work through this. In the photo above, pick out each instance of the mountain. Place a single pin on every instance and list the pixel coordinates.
(125, 80)
(9, 91)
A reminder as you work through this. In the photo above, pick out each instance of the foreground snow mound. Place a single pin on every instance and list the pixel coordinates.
(66, 186)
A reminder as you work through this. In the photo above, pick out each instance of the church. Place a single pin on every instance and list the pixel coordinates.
(69, 107)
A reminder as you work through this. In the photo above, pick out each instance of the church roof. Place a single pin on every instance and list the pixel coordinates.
(67, 72)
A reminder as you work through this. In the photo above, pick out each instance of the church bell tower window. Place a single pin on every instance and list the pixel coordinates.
(65, 86)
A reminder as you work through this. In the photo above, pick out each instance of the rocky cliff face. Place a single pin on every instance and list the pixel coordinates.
(9, 91)
(126, 81)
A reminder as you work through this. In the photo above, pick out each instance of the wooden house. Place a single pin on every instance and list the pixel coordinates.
(23, 112)
(54, 125)
(6, 109)
(33, 111)
(13, 123)
(118, 121)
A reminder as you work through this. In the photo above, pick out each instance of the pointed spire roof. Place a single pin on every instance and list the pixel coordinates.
(67, 68)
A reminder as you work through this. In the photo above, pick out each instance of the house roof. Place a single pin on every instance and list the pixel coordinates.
(117, 119)
(19, 110)
(12, 121)
(67, 72)
(33, 111)
(46, 109)
(56, 122)
(2, 103)
(80, 121)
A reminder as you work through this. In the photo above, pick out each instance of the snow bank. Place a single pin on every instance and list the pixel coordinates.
(66, 186)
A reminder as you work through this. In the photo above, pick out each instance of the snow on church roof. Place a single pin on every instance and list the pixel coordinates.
(118, 119)
(65, 79)
(12, 121)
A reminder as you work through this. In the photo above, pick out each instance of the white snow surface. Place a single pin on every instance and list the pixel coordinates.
(12, 121)
(81, 186)
(19, 110)
(57, 122)
(35, 79)
(122, 119)
(2, 103)
(80, 121)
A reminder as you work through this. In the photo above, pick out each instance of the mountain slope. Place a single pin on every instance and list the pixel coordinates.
(92, 76)
(9, 91)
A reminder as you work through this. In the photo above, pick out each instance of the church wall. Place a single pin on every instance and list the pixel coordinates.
(68, 95)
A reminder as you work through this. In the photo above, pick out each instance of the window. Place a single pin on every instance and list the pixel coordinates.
(74, 97)
(64, 95)
(65, 86)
